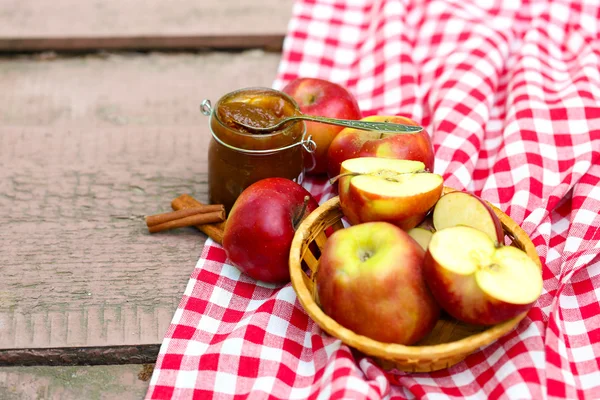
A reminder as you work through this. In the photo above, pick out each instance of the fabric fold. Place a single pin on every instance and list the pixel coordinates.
(510, 94)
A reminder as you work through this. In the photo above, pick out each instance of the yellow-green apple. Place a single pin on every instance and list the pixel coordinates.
(386, 189)
(421, 235)
(261, 225)
(370, 281)
(327, 99)
(478, 281)
(462, 208)
(352, 143)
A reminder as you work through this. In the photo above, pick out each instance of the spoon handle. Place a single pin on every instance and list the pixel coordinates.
(364, 125)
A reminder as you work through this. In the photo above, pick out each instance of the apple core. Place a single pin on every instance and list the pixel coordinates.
(511, 277)
(400, 185)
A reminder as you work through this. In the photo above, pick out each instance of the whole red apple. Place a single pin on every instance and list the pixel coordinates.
(327, 99)
(370, 281)
(352, 143)
(261, 225)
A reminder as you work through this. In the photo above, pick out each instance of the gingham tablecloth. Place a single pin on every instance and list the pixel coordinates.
(510, 92)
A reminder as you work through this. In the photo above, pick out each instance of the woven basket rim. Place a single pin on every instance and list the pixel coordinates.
(391, 351)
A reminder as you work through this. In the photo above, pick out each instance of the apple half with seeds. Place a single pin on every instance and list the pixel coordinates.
(462, 208)
(478, 281)
(400, 192)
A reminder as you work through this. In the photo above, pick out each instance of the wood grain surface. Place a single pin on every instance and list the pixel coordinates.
(73, 383)
(141, 24)
(88, 147)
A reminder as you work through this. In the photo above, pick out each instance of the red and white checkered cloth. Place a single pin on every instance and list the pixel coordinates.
(510, 92)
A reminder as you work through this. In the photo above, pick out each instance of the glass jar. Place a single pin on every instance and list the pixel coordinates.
(238, 157)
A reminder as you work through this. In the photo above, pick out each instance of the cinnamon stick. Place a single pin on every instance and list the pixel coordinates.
(174, 215)
(196, 219)
(214, 231)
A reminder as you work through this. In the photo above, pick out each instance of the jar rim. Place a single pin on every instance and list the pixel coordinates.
(307, 143)
(261, 89)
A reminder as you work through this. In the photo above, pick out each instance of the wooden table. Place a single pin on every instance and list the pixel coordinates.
(89, 145)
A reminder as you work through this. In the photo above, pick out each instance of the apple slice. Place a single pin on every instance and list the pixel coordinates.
(475, 280)
(421, 235)
(467, 209)
(384, 189)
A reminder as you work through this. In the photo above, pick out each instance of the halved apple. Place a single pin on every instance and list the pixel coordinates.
(478, 281)
(384, 189)
(467, 209)
(421, 235)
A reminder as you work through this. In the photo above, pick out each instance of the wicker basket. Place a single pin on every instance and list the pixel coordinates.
(449, 342)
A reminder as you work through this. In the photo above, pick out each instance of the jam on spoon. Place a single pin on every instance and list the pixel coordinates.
(260, 112)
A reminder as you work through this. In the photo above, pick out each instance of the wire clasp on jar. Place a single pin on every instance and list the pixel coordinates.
(206, 107)
(307, 143)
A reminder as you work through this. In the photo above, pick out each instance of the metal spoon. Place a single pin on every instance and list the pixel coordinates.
(364, 125)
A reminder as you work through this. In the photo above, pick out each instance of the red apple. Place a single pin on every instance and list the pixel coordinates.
(327, 99)
(352, 143)
(370, 281)
(261, 225)
(462, 208)
(478, 281)
(385, 189)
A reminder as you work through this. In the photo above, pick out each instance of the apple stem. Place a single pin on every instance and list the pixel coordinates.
(335, 178)
(296, 220)
(365, 255)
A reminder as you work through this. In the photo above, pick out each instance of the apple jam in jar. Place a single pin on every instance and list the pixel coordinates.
(238, 156)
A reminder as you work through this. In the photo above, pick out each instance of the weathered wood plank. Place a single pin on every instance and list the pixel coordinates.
(123, 90)
(79, 268)
(147, 42)
(88, 146)
(61, 356)
(65, 383)
(31, 25)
